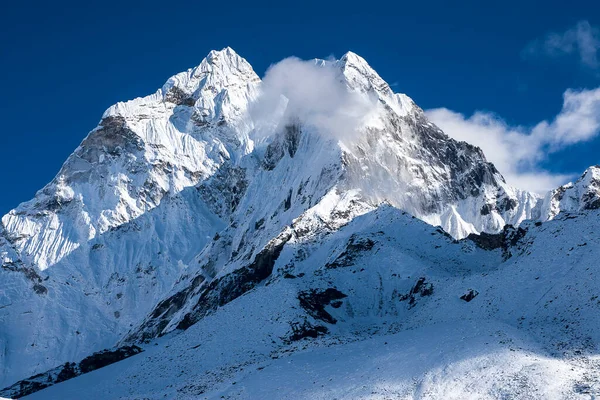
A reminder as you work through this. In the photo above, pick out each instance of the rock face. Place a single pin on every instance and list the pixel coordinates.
(174, 206)
(69, 370)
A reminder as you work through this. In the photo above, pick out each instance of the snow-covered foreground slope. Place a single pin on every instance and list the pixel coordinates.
(389, 307)
(458, 361)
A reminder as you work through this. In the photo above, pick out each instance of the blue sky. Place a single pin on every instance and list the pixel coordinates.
(62, 64)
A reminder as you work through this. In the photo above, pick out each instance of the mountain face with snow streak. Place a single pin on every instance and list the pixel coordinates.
(180, 202)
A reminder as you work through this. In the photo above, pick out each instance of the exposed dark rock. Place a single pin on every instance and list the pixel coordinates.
(259, 224)
(292, 138)
(287, 141)
(315, 301)
(421, 288)
(178, 97)
(507, 204)
(25, 387)
(356, 245)
(199, 119)
(470, 295)
(68, 371)
(288, 201)
(464, 164)
(112, 137)
(488, 241)
(163, 312)
(306, 330)
(55, 203)
(559, 193)
(504, 240)
(107, 357)
(585, 388)
(273, 154)
(224, 190)
(30, 273)
(336, 304)
(591, 201)
(445, 234)
(231, 286)
(486, 209)
(40, 289)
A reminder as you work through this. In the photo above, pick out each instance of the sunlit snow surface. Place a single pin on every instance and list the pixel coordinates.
(531, 332)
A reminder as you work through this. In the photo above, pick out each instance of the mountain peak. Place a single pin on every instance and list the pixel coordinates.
(220, 69)
(351, 58)
(352, 61)
(593, 171)
(589, 180)
(226, 51)
(583, 194)
(225, 57)
(362, 77)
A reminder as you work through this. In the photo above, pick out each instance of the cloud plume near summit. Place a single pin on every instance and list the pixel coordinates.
(314, 93)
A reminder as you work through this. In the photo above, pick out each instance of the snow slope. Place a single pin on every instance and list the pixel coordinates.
(374, 311)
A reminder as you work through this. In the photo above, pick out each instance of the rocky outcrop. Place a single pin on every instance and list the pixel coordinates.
(68, 371)
(223, 290)
(422, 288)
(314, 302)
(506, 240)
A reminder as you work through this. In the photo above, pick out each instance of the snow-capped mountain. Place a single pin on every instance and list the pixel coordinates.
(180, 204)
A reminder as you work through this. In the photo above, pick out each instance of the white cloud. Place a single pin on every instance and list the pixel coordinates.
(518, 151)
(583, 39)
(313, 93)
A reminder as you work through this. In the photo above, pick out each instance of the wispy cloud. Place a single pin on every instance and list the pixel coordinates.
(518, 151)
(582, 40)
(313, 93)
